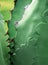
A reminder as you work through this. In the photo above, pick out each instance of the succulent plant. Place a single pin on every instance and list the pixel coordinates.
(24, 32)
(5, 7)
(5, 14)
(4, 56)
(29, 30)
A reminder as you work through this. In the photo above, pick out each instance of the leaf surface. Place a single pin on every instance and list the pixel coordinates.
(5, 7)
(4, 57)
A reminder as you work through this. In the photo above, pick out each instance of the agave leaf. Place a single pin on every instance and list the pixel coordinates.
(17, 15)
(6, 14)
(31, 47)
(4, 57)
(5, 7)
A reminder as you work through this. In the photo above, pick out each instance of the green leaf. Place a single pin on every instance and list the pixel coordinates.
(4, 56)
(31, 47)
(6, 14)
(5, 7)
(17, 15)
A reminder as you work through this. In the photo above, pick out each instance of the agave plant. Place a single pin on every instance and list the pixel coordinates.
(5, 15)
(5, 7)
(29, 30)
(4, 56)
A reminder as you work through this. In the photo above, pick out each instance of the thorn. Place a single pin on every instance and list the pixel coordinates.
(7, 33)
(8, 46)
(11, 53)
(12, 47)
(15, 1)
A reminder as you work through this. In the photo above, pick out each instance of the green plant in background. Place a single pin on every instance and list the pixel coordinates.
(4, 56)
(29, 30)
(5, 7)
(5, 14)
